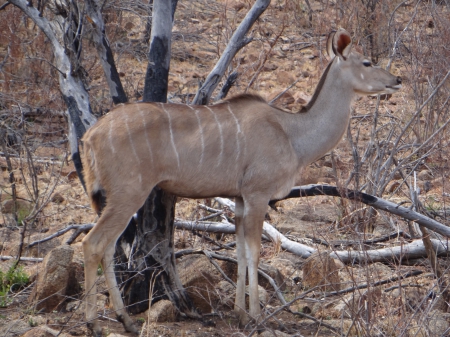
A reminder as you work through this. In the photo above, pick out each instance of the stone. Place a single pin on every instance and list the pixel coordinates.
(356, 304)
(200, 278)
(21, 206)
(425, 175)
(51, 284)
(320, 270)
(44, 331)
(230, 269)
(14, 328)
(57, 198)
(161, 311)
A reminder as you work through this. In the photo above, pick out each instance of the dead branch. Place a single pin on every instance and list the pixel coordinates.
(27, 259)
(79, 229)
(237, 41)
(375, 202)
(337, 243)
(413, 250)
(274, 235)
(375, 284)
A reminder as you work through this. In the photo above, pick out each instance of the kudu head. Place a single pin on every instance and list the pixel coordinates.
(357, 71)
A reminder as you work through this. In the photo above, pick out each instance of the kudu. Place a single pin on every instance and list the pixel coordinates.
(241, 148)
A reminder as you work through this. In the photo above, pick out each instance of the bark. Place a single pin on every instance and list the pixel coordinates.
(156, 78)
(104, 52)
(237, 41)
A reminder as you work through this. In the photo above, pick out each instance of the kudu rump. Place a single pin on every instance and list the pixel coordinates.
(242, 148)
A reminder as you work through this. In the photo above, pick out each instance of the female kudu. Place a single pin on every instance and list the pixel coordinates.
(241, 148)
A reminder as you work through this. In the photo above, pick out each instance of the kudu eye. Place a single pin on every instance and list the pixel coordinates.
(367, 63)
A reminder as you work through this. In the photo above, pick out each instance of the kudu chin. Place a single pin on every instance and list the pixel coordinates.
(242, 148)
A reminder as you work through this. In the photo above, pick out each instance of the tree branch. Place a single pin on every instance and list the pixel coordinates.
(237, 41)
(375, 202)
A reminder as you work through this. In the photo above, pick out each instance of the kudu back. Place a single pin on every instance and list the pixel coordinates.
(241, 148)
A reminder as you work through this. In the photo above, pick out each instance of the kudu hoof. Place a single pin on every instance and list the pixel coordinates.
(95, 328)
(128, 324)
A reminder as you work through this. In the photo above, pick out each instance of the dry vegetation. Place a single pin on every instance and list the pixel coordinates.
(396, 148)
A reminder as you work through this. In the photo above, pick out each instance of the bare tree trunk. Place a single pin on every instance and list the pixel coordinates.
(72, 87)
(150, 236)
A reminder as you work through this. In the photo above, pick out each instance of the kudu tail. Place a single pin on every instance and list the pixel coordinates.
(93, 187)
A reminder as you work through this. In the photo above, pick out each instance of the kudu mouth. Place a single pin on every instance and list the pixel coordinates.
(397, 87)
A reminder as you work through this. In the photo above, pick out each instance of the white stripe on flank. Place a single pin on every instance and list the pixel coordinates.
(146, 134)
(172, 140)
(110, 136)
(238, 132)
(202, 140)
(131, 139)
(220, 135)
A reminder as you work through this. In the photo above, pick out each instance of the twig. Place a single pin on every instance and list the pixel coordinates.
(83, 228)
(22, 258)
(379, 283)
(336, 243)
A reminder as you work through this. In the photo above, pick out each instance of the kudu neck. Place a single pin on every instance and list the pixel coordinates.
(320, 126)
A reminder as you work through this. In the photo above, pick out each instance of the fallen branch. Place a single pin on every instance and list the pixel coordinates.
(291, 246)
(375, 202)
(27, 259)
(413, 250)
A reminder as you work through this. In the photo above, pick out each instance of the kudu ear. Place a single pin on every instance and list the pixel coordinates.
(330, 50)
(339, 43)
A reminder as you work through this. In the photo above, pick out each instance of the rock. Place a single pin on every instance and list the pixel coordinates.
(227, 294)
(346, 326)
(435, 324)
(425, 175)
(392, 186)
(320, 270)
(230, 269)
(263, 295)
(57, 198)
(76, 278)
(285, 267)
(356, 304)
(44, 331)
(52, 282)
(199, 277)
(161, 311)
(22, 206)
(14, 328)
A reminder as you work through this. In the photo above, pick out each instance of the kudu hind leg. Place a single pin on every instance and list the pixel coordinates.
(114, 293)
(239, 303)
(98, 247)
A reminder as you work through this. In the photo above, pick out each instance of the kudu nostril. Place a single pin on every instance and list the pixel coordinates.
(399, 80)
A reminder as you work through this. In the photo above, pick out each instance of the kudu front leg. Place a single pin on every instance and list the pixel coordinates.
(253, 230)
